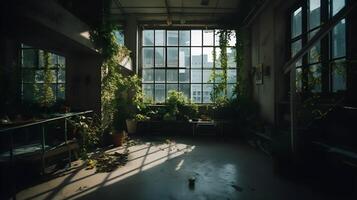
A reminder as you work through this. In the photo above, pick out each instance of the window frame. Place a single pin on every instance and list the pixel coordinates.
(202, 68)
(326, 49)
(55, 67)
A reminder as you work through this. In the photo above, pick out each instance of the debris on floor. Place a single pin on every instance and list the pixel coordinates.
(107, 162)
(191, 182)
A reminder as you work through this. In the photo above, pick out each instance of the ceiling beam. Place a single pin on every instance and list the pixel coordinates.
(119, 6)
(173, 7)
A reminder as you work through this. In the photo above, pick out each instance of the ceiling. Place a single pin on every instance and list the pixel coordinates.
(183, 12)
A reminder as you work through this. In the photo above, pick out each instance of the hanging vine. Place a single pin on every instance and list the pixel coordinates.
(103, 38)
(219, 93)
(47, 98)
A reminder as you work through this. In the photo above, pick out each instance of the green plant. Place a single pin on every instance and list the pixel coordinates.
(88, 132)
(178, 107)
(219, 92)
(47, 99)
(141, 117)
(103, 38)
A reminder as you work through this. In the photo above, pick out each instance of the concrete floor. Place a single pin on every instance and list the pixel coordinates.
(223, 170)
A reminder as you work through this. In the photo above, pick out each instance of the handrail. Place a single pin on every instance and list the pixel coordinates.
(45, 121)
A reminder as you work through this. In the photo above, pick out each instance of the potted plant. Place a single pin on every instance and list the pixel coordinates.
(118, 131)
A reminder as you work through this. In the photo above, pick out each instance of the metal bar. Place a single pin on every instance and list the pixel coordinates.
(66, 141)
(45, 121)
(13, 181)
(325, 29)
(43, 148)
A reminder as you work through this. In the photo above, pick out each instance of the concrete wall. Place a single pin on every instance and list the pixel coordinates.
(268, 46)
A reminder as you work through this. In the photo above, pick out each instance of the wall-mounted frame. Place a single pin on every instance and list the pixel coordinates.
(259, 74)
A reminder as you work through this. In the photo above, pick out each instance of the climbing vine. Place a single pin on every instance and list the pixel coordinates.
(48, 97)
(219, 93)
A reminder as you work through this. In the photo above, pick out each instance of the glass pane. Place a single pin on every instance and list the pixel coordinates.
(61, 91)
(207, 75)
(196, 94)
(172, 57)
(61, 76)
(172, 75)
(314, 53)
(196, 38)
(53, 59)
(184, 57)
(171, 87)
(218, 76)
(159, 57)
(339, 76)
(172, 38)
(160, 93)
(148, 57)
(196, 57)
(216, 37)
(337, 5)
(339, 40)
(119, 36)
(28, 76)
(208, 57)
(314, 13)
(61, 61)
(29, 58)
(184, 38)
(185, 89)
(314, 81)
(148, 37)
(208, 37)
(159, 75)
(296, 23)
(184, 75)
(207, 90)
(148, 75)
(298, 80)
(232, 76)
(217, 62)
(295, 47)
(31, 92)
(196, 76)
(160, 37)
(231, 58)
(233, 39)
(231, 91)
(40, 76)
(148, 90)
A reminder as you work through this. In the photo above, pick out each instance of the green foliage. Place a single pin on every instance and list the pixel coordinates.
(129, 100)
(179, 108)
(88, 132)
(113, 80)
(47, 99)
(219, 92)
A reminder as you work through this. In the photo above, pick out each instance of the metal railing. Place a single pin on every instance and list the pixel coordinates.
(11, 130)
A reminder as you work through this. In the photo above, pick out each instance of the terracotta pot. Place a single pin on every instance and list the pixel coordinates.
(119, 138)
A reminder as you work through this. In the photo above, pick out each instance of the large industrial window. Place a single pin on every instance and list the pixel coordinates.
(183, 60)
(33, 74)
(323, 69)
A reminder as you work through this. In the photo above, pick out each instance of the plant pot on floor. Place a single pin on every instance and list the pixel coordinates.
(131, 125)
(119, 138)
